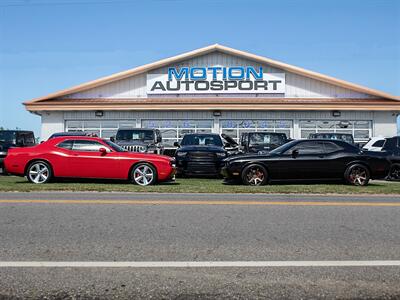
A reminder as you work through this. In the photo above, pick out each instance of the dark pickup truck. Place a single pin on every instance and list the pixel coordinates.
(139, 140)
(261, 142)
(14, 138)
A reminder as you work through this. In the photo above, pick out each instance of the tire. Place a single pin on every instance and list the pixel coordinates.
(357, 174)
(144, 174)
(254, 175)
(39, 172)
(394, 173)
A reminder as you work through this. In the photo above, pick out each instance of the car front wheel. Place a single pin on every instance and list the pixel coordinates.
(144, 174)
(39, 172)
(357, 175)
(254, 175)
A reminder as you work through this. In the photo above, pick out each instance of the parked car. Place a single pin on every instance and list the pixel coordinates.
(87, 157)
(140, 140)
(374, 144)
(347, 137)
(201, 154)
(72, 133)
(261, 142)
(308, 160)
(14, 138)
(392, 149)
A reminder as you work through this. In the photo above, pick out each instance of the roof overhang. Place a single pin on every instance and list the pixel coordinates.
(255, 103)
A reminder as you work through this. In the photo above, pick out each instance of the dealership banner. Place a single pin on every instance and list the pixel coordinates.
(216, 80)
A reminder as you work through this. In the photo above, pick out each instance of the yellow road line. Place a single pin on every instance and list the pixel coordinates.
(203, 202)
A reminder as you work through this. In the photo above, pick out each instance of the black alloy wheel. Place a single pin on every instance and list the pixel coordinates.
(254, 175)
(394, 173)
(357, 175)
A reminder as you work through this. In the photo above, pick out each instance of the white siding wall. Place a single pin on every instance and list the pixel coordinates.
(51, 122)
(296, 85)
(385, 124)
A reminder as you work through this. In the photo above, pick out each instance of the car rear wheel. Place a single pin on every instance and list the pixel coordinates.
(394, 173)
(39, 172)
(144, 174)
(357, 175)
(254, 175)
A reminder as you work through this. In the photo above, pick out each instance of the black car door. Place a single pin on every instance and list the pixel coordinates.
(335, 160)
(305, 160)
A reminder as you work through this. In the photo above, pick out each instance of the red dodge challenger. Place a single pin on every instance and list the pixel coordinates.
(87, 157)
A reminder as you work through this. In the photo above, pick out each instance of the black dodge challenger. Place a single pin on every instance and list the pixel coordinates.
(308, 160)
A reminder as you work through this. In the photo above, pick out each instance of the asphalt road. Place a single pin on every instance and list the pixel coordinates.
(76, 228)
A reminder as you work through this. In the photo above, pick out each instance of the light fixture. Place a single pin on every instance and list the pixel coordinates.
(99, 113)
(216, 113)
(336, 113)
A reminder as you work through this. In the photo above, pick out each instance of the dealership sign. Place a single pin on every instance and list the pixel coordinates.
(216, 80)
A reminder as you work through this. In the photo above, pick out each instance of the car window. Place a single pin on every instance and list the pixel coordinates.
(379, 143)
(135, 135)
(202, 140)
(66, 145)
(331, 147)
(86, 145)
(308, 147)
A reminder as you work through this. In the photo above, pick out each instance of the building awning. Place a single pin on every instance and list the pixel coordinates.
(215, 103)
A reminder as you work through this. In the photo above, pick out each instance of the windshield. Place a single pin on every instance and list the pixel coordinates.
(114, 146)
(283, 148)
(136, 135)
(7, 137)
(267, 139)
(342, 137)
(202, 140)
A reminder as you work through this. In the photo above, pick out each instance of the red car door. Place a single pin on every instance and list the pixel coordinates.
(87, 161)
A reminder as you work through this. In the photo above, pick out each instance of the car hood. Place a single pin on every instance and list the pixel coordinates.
(192, 148)
(263, 147)
(133, 143)
(248, 156)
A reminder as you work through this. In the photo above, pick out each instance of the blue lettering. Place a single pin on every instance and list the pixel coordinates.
(178, 74)
(252, 71)
(198, 73)
(236, 73)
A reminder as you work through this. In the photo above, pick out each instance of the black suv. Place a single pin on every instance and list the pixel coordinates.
(392, 149)
(139, 140)
(202, 154)
(14, 138)
(261, 142)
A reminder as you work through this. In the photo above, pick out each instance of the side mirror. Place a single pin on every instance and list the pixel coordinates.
(295, 153)
(159, 139)
(103, 151)
(112, 139)
(176, 144)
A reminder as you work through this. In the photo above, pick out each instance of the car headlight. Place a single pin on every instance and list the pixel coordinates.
(221, 154)
(181, 154)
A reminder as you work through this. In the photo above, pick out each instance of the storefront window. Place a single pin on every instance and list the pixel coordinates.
(174, 130)
(234, 128)
(104, 129)
(361, 130)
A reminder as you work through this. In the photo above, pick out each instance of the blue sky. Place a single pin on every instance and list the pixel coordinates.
(48, 45)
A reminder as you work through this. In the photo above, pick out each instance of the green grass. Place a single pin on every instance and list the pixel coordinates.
(20, 184)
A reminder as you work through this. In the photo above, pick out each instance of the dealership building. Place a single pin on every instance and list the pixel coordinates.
(222, 90)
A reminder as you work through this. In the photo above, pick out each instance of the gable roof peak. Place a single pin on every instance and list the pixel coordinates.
(208, 49)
